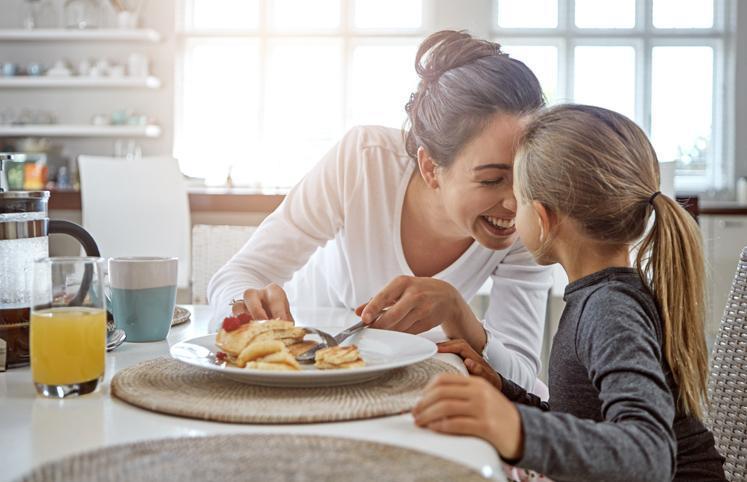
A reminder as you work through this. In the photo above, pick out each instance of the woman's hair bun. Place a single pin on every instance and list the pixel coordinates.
(449, 49)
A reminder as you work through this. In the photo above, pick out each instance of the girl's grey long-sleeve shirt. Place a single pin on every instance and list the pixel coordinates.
(613, 414)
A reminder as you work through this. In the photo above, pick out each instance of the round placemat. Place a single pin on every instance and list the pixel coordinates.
(167, 386)
(254, 458)
(181, 315)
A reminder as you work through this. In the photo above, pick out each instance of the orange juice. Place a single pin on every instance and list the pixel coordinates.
(68, 345)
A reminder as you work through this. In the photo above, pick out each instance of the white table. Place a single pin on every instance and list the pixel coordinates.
(34, 430)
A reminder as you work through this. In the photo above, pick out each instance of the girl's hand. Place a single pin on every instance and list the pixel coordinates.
(415, 305)
(264, 304)
(476, 364)
(459, 405)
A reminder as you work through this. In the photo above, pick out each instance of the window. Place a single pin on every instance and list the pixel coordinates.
(268, 86)
(660, 62)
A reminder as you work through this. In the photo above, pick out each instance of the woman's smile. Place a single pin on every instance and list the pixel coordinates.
(498, 227)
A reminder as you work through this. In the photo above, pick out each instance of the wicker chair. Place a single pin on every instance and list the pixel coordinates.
(727, 389)
(212, 247)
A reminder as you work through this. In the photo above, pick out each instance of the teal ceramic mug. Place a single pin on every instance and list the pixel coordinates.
(143, 295)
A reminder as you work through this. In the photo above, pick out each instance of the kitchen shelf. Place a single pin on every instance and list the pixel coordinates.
(62, 130)
(73, 82)
(32, 35)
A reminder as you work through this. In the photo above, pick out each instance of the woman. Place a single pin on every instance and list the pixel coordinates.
(414, 224)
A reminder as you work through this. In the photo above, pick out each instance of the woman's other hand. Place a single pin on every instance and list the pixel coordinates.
(476, 364)
(459, 405)
(264, 304)
(414, 305)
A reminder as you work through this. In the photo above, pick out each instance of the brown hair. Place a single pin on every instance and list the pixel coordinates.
(464, 81)
(599, 168)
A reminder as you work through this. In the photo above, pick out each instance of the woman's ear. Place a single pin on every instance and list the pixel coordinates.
(546, 219)
(427, 167)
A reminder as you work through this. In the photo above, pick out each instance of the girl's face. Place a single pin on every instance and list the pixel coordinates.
(476, 190)
(528, 226)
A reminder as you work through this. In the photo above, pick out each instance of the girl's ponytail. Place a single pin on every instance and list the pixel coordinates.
(671, 258)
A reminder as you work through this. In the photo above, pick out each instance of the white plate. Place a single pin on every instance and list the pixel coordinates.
(382, 351)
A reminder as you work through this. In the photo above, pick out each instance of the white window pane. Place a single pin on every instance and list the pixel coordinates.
(683, 13)
(388, 14)
(605, 77)
(605, 13)
(225, 14)
(682, 106)
(527, 13)
(543, 60)
(304, 15)
(376, 98)
(220, 106)
(303, 107)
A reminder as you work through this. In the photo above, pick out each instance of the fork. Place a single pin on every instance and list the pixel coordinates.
(309, 355)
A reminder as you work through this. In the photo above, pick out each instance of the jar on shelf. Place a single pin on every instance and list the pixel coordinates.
(82, 14)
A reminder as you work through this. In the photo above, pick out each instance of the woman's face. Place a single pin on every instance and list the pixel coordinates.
(476, 190)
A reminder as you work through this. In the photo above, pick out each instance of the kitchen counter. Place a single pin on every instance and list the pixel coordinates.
(202, 199)
(219, 199)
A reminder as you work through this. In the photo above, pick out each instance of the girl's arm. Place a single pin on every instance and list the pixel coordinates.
(515, 318)
(477, 366)
(619, 344)
(310, 215)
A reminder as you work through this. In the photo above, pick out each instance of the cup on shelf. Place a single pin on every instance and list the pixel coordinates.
(34, 69)
(117, 71)
(9, 69)
(84, 68)
(137, 65)
(59, 69)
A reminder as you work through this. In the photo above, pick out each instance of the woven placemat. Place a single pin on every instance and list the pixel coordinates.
(254, 458)
(167, 386)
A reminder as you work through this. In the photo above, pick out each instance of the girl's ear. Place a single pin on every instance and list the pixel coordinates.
(427, 167)
(546, 219)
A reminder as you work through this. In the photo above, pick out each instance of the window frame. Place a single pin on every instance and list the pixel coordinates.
(644, 37)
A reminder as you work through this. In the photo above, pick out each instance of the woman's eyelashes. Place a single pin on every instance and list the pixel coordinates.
(491, 182)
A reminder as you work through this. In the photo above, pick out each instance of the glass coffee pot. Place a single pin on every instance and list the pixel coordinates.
(24, 230)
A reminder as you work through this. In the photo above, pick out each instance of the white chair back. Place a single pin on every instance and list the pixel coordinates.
(727, 387)
(137, 207)
(212, 247)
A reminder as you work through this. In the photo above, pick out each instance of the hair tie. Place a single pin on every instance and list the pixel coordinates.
(653, 196)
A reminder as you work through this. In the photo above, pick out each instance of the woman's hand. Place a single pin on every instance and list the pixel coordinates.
(476, 365)
(264, 304)
(415, 305)
(459, 405)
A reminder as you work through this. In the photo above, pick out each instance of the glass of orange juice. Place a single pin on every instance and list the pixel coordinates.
(68, 326)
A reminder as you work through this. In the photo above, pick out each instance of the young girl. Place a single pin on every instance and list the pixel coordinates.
(628, 365)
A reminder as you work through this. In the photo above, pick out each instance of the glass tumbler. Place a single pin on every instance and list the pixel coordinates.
(68, 326)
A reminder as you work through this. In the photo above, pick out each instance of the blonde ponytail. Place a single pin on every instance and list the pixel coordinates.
(671, 257)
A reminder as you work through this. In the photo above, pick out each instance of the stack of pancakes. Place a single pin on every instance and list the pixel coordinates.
(274, 344)
(265, 345)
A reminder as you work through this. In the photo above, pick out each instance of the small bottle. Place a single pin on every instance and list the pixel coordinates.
(742, 190)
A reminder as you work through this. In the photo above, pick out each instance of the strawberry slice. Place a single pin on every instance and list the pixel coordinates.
(244, 318)
(231, 323)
